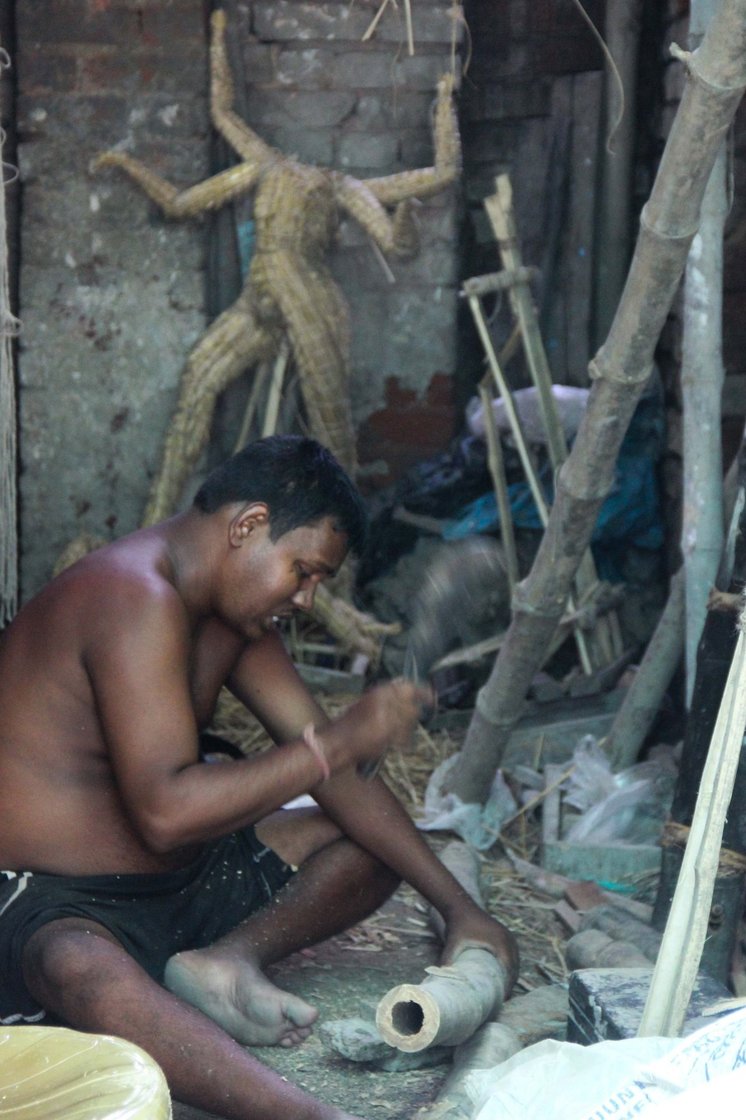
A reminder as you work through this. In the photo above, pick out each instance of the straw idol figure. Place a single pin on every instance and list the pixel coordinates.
(289, 290)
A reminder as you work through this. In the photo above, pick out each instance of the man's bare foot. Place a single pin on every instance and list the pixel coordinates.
(475, 929)
(240, 999)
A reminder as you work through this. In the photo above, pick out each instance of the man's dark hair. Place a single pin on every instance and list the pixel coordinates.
(299, 480)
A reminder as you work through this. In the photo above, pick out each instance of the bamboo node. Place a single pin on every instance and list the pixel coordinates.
(668, 236)
(681, 54)
(688, 58)
(598, 371)
(676, 835)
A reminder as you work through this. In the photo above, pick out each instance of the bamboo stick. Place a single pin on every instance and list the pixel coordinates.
(529, 467)
(684, 936)
(496, 465)
(604, 645)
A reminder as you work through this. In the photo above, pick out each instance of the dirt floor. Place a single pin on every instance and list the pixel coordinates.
(347, 976)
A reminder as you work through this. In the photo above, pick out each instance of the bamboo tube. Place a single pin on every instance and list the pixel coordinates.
(454, 1000)
(447, 1007)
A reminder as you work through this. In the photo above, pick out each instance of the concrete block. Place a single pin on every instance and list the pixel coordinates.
(358, 149)
(258, 62)
(395, 110)
(607, 1003)
(314, 109)
(377, 69)
(291, 19)
(310, 68)
(311, 145)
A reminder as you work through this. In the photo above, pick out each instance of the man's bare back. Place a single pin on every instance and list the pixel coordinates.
(56, 774)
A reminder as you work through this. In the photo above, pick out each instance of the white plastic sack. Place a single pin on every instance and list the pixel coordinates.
(625, 1079)
(570, 403)
(479, 825)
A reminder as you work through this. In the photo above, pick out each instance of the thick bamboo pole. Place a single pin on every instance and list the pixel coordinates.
(716, 81)
(702, 376)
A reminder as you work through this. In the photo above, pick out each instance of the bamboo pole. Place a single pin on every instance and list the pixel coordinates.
(8, 421)
(643, 699)
(717, 78)
(496, 465)
(684, 936)
(604, 644)
(702, 376)
(622, 34)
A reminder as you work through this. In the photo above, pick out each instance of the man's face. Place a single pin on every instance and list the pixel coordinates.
(274, 579)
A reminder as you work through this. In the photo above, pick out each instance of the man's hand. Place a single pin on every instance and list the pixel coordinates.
(384, 717)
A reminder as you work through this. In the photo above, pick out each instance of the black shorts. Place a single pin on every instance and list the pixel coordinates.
(153, 916)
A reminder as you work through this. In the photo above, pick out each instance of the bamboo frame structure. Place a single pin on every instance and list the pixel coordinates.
(603, 645)
(619, 370)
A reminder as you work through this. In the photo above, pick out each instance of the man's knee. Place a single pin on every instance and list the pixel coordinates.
(297, 834)
(63, 955)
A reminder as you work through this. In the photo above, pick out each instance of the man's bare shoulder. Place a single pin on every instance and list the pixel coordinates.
(118, 584)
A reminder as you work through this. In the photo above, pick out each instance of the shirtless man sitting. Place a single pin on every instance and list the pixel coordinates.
(147, 891)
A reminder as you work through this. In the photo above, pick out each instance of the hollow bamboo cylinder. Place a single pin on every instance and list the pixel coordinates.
(447, 1007)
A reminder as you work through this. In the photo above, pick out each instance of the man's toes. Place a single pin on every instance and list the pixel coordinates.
(295, 1037)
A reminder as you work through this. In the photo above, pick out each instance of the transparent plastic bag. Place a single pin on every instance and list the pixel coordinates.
(627, 807)
(623, 1079)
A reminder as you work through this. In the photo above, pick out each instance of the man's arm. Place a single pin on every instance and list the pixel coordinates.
(365, 810)
(138, 659)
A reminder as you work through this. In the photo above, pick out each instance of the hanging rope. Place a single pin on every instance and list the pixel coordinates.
(8, 328)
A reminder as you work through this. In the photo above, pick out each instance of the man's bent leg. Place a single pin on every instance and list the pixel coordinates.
(78, 972)
(337, 885)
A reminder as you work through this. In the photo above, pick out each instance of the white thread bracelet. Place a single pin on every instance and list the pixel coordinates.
(312, 741)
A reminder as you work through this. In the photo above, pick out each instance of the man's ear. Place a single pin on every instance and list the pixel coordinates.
(248, 519)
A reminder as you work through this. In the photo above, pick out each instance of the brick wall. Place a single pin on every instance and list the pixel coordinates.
(110, 296)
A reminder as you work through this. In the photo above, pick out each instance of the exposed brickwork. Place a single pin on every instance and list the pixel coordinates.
(409, 428)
